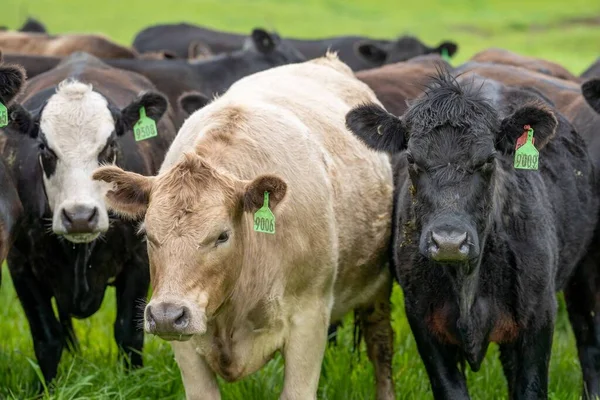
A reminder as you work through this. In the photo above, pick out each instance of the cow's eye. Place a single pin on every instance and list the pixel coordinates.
(487, 163)
(48, 159)
(410, 159)
(223, 237)
(108, 154)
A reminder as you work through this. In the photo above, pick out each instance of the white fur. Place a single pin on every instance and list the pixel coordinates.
(76, 123)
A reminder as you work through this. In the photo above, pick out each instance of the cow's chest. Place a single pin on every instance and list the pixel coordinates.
(244, 351)
(487, 322)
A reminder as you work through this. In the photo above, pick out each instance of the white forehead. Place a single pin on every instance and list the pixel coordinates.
(76, 120)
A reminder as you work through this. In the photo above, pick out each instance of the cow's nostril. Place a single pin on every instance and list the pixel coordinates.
(183, 319)
(150, 318)
(66, 217)
(94, 215)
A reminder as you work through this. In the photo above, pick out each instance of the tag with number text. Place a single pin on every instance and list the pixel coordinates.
(526, 155)
(3, 116)
(264, 220)
(145, 128)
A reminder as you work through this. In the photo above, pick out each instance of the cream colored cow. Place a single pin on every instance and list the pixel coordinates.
(230, 297)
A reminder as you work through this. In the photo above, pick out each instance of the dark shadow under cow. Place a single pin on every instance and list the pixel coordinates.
(480, 247)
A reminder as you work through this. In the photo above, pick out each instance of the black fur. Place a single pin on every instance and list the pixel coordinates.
(44, 266)
(192, 101)
(591, 93)
(528, 231)
(377, 128)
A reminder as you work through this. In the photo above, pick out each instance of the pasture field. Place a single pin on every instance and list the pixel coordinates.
(565, 32)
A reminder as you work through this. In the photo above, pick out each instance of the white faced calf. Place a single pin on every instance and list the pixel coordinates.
(77, 130)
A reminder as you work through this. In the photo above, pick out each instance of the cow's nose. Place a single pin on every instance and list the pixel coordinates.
(449, 246)
(80, 219)
(165, 319)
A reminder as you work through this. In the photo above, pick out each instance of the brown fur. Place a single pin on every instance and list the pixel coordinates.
(396, 84)
(505, 57)
(282, 130)
(565, 95)
(62, 45)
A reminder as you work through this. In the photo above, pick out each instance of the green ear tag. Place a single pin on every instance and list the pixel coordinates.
(264, 220)
(145, 128)
(526, 156)
(3, 116)
(445, 55)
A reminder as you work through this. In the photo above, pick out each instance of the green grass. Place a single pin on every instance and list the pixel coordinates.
(539, 28)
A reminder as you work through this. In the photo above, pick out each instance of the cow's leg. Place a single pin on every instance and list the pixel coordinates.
(304, 349)
(508, 358)
(132, 291)
(441, 362)
(533, 349)
(379, 337)
(199, 380)
(583, 303)
(46, 332)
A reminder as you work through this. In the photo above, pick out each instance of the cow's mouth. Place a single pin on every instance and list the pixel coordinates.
(174, 337)
(81, 237)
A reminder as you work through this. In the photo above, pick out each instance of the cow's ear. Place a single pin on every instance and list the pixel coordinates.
(12, 78)
(377, 128)
(371, 51)
(192, 101)
(130, 193)
(154, 103)
(538, 116)
(591, 92)
(263, 41)
(449, 47)
(199, 49)
(22, 121)
(254, 192)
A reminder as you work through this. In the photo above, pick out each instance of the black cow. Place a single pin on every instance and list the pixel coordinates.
(593, 71)
(211, 76)
(377, 52)
(33, 25)
(481, 247)
(69, 121)
(359, 52)
(12, 78)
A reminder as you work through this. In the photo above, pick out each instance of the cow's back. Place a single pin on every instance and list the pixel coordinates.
(292, 123)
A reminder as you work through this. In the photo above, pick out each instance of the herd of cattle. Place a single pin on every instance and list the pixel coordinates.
(381, 162)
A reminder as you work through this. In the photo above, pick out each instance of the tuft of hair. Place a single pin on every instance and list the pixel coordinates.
(332, 60)
(73, 89)
(449, 102)
(12, 79)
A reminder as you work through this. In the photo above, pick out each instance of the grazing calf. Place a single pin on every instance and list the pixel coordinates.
(62, 45)
(230, 297)
(74, 118)
(505, 57)
(12, 78)
(481, 247)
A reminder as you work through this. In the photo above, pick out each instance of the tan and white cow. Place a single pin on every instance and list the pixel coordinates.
(230, 297)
